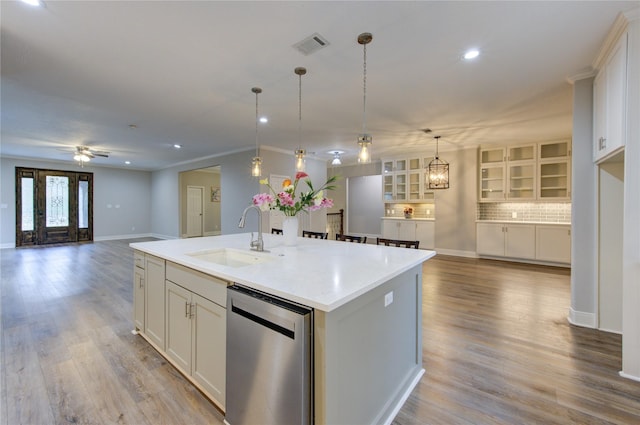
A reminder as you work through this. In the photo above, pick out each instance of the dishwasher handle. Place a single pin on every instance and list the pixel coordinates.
(290, 333)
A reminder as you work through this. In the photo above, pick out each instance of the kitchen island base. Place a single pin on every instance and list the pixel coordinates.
(368, 353)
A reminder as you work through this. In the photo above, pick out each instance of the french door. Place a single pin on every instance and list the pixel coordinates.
(53, 206)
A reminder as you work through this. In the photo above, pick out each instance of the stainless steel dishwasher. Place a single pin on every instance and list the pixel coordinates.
(269, 367)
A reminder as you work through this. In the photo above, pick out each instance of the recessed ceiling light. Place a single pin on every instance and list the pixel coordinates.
(177, 146)
(133, 126)
(127, 162)
(471, 54)
(33, 2)
(264, 120)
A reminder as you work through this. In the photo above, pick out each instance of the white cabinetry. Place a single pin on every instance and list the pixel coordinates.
(492, 174)
(410, 230)
(554, 170)
(196, 328)
(138, 290)
(548, 243)
(609, 90)
(506, 240)
(524, 173)
(521, 175)
(403, 180)
(154, 300)
(553, 243)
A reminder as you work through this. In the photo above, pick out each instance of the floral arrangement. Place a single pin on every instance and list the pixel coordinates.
(285, 200)
(408, 210)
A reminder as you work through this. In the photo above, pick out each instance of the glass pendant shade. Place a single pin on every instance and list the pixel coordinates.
(336, 159)
(300, 161)
(256, 166)
(364, 154)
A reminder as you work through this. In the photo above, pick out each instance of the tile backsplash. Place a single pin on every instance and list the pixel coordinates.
(419, 210)
(556, 212)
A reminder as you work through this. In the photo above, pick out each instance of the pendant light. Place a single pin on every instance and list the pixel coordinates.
(256, 162)
(438, 171)
(300, 153)
(364, 139)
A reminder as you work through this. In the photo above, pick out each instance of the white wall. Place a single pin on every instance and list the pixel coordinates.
(129, 189)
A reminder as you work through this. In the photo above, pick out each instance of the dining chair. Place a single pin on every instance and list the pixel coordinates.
(350, 238)
(397, 242)
(316, 235)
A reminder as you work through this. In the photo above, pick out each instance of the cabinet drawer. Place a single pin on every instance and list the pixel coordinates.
(138, 259)
(209, 287)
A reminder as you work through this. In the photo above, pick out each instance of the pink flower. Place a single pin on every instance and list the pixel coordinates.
(286, 199)
(301, 175)
(263, 200)
(325, 203)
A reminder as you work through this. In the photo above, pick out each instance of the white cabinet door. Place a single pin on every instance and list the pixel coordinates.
(389, 229)
(407, 230)
(138, 298)
(179, 326)
(154, 300)
(490, 239)
(553, 243)
(610, 102)
(209, 330)
(520, 241)
(425, 233)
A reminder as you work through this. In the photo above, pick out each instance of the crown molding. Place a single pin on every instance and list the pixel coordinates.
(617, 30)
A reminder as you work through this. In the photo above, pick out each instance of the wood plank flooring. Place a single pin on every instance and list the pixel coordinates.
(497, 348)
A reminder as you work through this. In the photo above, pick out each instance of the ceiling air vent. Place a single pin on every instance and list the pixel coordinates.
(311, 44)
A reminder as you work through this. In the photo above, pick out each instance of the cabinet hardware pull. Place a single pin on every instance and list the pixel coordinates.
(186, 309)
(192, 310)
(141, 283)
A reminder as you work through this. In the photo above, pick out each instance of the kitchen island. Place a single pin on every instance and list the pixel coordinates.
(367, 303)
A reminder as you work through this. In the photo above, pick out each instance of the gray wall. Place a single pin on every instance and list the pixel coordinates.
(455, 225)
(128, 189)
(584, 222)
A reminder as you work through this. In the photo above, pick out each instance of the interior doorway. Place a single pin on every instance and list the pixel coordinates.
(200, 193)
(53, 206)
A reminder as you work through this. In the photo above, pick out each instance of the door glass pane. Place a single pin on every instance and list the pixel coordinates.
(57, 201)
(83, 205)
(27, 203)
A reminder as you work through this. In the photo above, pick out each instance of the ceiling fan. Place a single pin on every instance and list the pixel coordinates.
(85, 154)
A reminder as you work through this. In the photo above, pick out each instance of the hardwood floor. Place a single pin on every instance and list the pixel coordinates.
(497, 348)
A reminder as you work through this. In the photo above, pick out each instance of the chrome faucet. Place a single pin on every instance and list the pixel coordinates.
(258, 244)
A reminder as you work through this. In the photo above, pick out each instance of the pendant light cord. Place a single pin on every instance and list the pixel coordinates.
(364, 91)
(300, 111)
(257, 149)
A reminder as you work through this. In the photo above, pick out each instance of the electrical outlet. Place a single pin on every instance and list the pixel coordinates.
(514, 214)
(388, 299)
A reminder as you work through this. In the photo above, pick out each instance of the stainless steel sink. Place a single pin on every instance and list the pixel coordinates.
(231, 257)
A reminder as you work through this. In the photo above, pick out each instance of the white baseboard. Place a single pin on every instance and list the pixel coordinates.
(116, 237)
(158, 236)
(626, 375)
(456, 253)
(582, 318)
(403, 398)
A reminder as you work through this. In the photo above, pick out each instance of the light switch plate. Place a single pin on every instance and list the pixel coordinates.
(388, 299)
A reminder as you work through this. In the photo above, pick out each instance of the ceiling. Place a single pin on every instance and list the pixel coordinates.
(82, 72)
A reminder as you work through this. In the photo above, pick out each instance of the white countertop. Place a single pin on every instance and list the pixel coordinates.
(412, 218)
(524, 222)
(322, 274)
